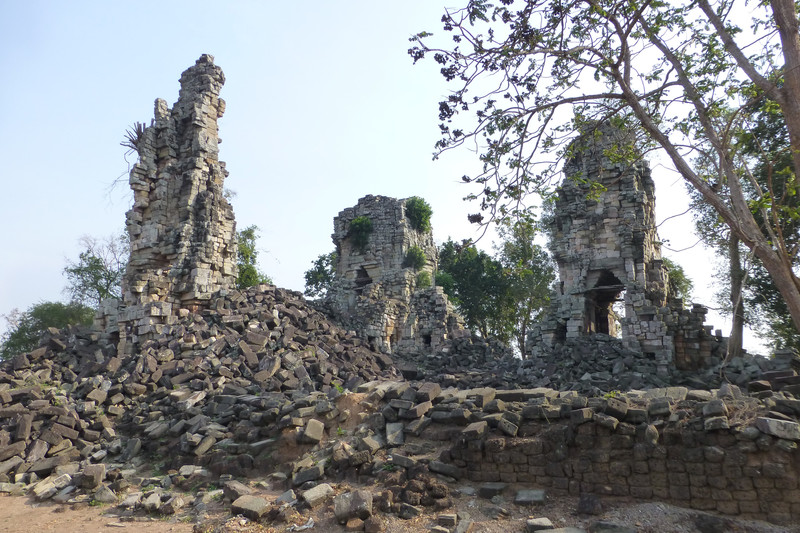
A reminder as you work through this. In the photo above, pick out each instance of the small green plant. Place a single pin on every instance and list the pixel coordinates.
(389, 467)
(338, 388)
(611, 394)
(423, 280)
(359, 231)
(415, 258)
(341, 432)
(419, 213)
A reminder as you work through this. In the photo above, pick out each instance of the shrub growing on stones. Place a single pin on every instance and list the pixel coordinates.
(360, 228)
(415, 258)
(419, 213)
(423, 280)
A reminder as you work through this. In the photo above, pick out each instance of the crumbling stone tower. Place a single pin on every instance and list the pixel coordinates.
(181, 228)
(375, 289)
(608, 251)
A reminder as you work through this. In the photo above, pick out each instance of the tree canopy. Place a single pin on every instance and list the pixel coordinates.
(247, 259)
(26, 328)
(97, 274)
(681, 75)
(500, 296)
(320, 276)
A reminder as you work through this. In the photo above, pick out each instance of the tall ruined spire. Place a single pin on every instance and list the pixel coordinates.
(181, 228)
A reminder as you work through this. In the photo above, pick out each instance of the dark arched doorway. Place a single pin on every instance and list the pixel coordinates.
(600, 300)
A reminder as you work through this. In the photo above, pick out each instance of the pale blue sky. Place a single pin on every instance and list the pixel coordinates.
(324, 107)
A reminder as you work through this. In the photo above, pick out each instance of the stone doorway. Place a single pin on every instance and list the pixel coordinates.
(601, 317)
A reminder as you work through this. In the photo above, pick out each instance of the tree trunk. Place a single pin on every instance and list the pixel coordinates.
(785, 12)
(737, 304)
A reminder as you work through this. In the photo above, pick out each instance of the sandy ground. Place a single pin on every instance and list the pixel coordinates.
(19, 514)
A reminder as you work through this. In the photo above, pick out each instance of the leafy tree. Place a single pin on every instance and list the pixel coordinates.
(446, 281)
(25, 329)
(419, 213)
(480, 291)
(97, 274)
(249, 274)
(765, 162)
(679, 76)
(680, 285)
(768, 310)
(530, 273)
(321, 275)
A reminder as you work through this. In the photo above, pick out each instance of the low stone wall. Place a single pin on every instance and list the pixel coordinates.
(737, 471)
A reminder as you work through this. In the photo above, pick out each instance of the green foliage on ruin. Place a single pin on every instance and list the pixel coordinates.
(415, 258)
(26, 328)
(419, 212)
(359, 231)
(247, 259)
(680, 285)
(423, 280)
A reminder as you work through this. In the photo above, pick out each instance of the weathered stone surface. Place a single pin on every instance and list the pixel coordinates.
(607, 246)
(538, 524)
(447, 469)
(92, 475)
(530, 497)
(447, 519)
(408, 511)
(374, 524)
(318, 495)
(181, 227)
(375, 287)
(250, 506)
(394, 434)
(104, 494)
(475, 430)
(356, 504)
(489, 490)
(314, 431)
(173, 505)
(308, 474)
(233, 490)
(783, 429)
(11, 450)
(47, 488)
(716, 422)
(152, 502)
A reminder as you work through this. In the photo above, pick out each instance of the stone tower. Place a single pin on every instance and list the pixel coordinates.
(604, 239)
(376, 290)
(181, 228)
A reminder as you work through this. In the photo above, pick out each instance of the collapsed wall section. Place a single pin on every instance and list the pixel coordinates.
(378, 290)
(613, 280)
(722, 454)
(181, 227)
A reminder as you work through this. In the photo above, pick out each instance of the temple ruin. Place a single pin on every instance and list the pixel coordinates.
(247, 389)
(378, 292)
(612, 279)
(181, 227)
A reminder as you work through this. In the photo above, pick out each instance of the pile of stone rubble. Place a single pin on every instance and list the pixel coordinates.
(594, 364)
(258, 384)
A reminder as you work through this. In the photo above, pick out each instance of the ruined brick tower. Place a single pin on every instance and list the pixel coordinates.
(376, 290)
(612, 277)
(181, 228)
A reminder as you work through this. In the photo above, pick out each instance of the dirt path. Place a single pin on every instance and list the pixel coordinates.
(19, 514)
